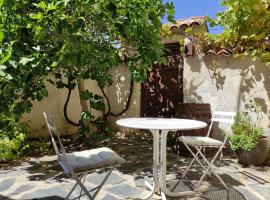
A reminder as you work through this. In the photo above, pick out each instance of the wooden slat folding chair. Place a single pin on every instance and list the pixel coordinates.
(79, 164)
(199, 143)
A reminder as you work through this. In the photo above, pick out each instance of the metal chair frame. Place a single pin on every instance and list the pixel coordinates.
(62, 160)
(219, 117)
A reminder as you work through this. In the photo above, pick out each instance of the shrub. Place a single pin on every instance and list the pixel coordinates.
(12, 138)
(246, 133)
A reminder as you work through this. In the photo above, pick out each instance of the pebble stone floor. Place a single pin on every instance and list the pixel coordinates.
(41, 178)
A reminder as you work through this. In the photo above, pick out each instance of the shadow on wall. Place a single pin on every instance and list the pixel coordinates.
(255, 89)
(119, 91)
(120, 86)
(215, 69)
(194, 63)
(191, 95)
(254, 81)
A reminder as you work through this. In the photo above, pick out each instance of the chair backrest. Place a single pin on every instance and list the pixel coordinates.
(222, 117)
(197, 111)
(54, 133)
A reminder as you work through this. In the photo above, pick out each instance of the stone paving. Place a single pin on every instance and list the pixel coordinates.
(41, 178)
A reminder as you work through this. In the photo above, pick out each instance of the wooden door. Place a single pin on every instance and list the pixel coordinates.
(163, 89)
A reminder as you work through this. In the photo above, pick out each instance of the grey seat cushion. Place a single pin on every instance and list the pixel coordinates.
(92, 159)
(200, 141)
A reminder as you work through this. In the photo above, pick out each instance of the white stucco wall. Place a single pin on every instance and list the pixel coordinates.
(118, 94)
(237, 83)
(54, 105)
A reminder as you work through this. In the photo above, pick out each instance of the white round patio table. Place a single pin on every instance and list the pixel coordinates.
(160, 127)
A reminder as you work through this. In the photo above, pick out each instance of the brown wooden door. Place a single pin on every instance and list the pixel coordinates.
(163, 89)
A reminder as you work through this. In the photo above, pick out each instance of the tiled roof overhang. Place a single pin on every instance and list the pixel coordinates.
(195, 21)
(218, 52)
(182, 24)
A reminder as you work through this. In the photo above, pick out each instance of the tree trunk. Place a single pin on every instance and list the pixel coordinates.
(85, 106)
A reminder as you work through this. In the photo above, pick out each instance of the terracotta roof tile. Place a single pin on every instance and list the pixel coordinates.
(218, 52)
(187, 23)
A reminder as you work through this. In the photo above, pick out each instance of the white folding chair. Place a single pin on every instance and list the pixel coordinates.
(198, 143)
(82, 162)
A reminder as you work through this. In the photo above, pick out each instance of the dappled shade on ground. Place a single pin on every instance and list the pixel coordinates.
(42, 178)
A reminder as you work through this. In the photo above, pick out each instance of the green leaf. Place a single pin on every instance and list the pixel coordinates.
(66, 2)
(38, 16)
(54, 64)
(6, 57)
(85, 95)
(2, 73)
(42, 5)
(13, 63)
(60, 84)
(3, 67)
(37, 48)
(1, 35)
(25, 60)
(51, 6)
(171, 12)
(98, 105)
(86, 116)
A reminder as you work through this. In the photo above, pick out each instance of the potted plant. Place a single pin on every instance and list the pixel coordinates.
(247, 141)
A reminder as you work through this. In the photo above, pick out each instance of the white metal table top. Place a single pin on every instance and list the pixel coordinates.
(171, 124)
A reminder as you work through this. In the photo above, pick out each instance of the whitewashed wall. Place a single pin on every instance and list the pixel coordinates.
(118, 94)
(238, 82)
(54, 105)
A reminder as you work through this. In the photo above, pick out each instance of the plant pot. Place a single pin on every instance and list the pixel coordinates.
(256, 156)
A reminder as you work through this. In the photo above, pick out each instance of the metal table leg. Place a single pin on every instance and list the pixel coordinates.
(159, 168)
(162, 177)
(156, 150)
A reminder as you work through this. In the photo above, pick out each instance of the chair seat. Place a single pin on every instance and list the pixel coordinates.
(200, 141)
(91, 159)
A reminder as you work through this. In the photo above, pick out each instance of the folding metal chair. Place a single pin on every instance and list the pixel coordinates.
(199, 143)
(82, 162)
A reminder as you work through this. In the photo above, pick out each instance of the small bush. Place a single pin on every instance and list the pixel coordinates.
(11, 149)
(12, 138)
(245, 133)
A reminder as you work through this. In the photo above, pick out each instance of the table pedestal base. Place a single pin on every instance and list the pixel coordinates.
(159, 168)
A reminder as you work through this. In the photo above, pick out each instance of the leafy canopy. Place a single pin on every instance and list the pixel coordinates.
(246, 28)
(74, 40)
(80, 38)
